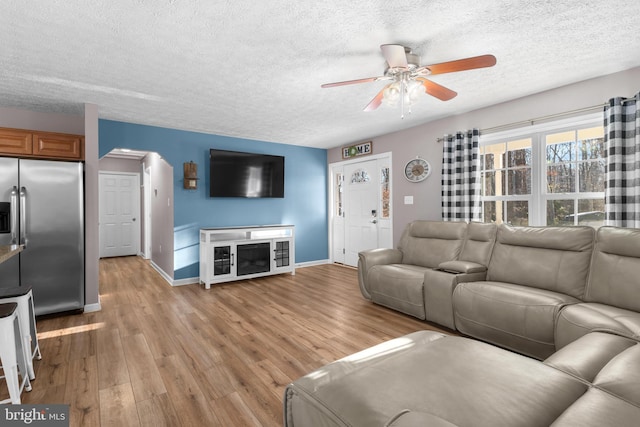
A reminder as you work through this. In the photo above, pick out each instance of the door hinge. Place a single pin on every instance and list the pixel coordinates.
(343, 251)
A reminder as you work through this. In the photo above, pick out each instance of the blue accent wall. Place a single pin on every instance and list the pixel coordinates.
(304, 204)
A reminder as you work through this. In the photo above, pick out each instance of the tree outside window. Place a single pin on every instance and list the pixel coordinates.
(545, 178)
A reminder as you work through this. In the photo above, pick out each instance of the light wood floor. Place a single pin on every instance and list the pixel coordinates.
(185, 356)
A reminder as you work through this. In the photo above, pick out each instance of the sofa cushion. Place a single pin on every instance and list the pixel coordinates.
(479, 242)
(585, 357)
(614, 398)
(449, 379)
(621, 376)
(428, 243)
(597, 409)
(398, 286)
(577, 320)
(407, 418)
(552, 258)
(512, 316)
(615, 278)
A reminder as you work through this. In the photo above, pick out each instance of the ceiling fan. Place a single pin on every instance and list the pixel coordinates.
(409, 79)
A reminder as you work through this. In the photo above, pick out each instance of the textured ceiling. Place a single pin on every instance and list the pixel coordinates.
(253, 69)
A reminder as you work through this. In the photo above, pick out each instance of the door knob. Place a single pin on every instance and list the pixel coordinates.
(374, 221)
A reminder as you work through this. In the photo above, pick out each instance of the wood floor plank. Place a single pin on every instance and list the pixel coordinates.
(186, 395)
(145, 377)
(81, 392)
(157, 412)
(111, 361)
(118, 407)
(233, 411)
(157, 355)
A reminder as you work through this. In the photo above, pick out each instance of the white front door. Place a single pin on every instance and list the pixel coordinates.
(360, 209)
(119, 214)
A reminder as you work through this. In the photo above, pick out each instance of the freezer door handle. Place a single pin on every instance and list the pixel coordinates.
(23, 216)
(14, 216)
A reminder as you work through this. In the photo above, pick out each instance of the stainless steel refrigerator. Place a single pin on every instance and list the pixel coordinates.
(42, 208)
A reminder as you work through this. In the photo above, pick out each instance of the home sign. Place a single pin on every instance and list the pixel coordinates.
(357, 150)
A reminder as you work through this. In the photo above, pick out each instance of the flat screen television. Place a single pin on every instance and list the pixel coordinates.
(239, 174)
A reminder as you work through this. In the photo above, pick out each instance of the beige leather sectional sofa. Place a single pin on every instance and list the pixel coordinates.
(564, 300)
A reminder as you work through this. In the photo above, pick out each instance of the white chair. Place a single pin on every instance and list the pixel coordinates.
(23, 296)
(12, 354)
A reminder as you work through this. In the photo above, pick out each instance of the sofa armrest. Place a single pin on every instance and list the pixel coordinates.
(456, 267)
(379, 256)
(371, 257)
(438, 294)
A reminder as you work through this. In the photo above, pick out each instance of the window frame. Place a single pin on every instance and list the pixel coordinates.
(537, 200)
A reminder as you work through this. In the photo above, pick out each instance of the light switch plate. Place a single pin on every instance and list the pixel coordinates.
(408, 200)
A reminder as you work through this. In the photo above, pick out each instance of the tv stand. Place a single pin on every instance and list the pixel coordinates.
(236, 253)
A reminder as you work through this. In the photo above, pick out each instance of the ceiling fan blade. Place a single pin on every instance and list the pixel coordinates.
(395, 55)
(463, 64)
(436, 90)
(376, 101)
(351, 82)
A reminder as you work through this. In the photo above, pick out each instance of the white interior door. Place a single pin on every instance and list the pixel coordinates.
(361, 192)
(119, 214)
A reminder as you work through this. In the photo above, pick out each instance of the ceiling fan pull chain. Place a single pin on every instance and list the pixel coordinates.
(403, 91)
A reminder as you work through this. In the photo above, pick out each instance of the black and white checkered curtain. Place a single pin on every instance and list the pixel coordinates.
(461, 177)
(622, 156)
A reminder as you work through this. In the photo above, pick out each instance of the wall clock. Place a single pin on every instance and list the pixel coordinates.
(417, 170)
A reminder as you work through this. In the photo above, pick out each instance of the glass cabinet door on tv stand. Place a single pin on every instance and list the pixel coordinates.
(224, 260)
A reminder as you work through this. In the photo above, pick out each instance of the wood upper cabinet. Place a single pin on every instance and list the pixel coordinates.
(15, 141)
(58, 145)
(46, 145)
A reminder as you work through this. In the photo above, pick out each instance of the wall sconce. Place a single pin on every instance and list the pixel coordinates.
(190, 176)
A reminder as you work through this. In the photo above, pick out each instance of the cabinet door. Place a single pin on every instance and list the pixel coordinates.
(282, 254)
(224, 260)
(58, 145)
(15, 141)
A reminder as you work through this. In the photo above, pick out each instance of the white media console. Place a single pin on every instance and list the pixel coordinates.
(237, 253)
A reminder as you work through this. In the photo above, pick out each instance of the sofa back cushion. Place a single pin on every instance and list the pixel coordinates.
(429, 243)
(478, 243)
(615, 268)
(552, 258)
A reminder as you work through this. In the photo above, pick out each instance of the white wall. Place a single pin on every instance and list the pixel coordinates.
(162, 235)
(422, 140)
(91, 212)
(50, 122)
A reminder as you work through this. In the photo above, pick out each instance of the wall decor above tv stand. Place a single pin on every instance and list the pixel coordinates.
(236, 253)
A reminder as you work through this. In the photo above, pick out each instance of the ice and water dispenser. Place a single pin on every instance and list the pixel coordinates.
(5, 217)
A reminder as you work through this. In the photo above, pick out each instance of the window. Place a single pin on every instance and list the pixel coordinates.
(550, 175)
(506, 173)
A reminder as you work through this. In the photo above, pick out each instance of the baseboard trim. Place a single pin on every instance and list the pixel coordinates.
(90, 308)
(196, 280)
(312, 263)
(187, 281)
(162, 273)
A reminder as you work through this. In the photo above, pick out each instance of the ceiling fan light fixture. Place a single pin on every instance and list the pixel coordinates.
(408, 78)
(391, 94)
(410, 90)
(414, 90)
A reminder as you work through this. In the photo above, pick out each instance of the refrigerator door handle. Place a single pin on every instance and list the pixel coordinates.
(14, 216)
(23, 216)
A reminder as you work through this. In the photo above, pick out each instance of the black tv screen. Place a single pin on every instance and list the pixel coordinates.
(238, 174)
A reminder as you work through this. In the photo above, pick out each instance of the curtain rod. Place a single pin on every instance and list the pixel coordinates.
(543, 118)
